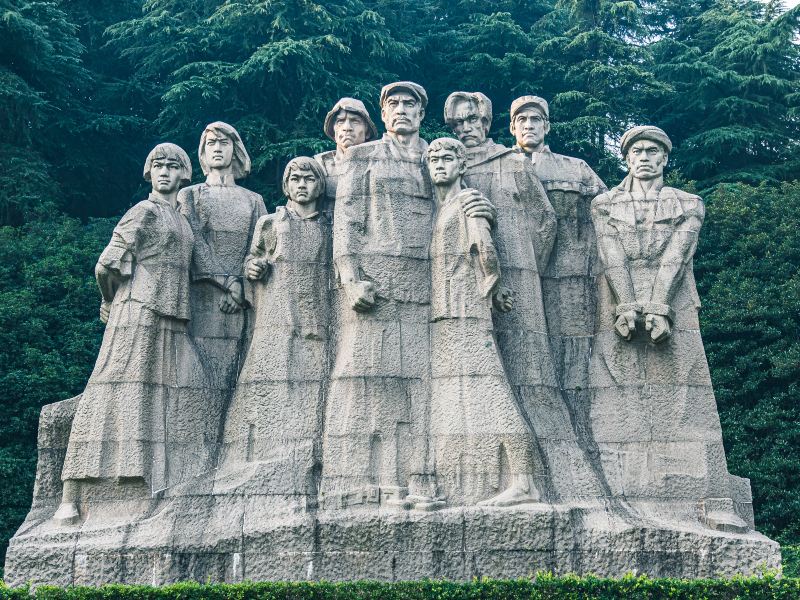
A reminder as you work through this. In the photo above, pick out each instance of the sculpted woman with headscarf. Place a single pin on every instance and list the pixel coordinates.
(274, 422)
(222, 215)
(145, 397)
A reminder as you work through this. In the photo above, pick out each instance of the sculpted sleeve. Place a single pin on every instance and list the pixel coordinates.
(121, 250)
(612, 255)
(205, 267)
(350, 218)
(678, 253)
(542, 217)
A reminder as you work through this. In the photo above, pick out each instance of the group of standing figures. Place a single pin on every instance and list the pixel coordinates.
(420, 326)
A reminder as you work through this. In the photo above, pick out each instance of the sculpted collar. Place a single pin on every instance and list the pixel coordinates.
(545, 150)
(225, 180)
(486, 152)
(294, 215)
(156, 199)
(668, 207)
(407, 151)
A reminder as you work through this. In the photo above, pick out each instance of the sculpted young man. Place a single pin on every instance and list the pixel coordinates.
(654, 416)
(348, 124)
(476, 424)
(569, 280)
(525, 233)
(376, 425)
(222, 215)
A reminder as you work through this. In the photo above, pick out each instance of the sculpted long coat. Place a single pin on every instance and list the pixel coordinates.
(475, 418)
(568, 279)
(223, 218)
(653, 411)
(274, 422)
(525, 234)
(143, 412)
(376, 426)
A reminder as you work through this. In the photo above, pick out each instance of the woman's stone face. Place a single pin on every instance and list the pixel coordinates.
(165, 174)
(218, 150)
(303, 186)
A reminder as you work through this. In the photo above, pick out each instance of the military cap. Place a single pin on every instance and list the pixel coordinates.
(644, 132)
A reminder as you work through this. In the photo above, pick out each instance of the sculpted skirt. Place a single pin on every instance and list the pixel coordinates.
(147, 411)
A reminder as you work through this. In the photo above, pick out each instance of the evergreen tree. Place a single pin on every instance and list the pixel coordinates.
(748, 272)
(271, 68)
(734, 70)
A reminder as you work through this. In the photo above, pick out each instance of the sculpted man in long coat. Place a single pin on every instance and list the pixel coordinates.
(568, 280)
(525, 233)
(653, 411)
(376, 420)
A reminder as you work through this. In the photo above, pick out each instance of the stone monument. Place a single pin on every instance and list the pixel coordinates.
(455, 377)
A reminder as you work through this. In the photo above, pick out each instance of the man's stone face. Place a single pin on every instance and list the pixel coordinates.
(219, 150)
(444, 166)
(467, 124)
(165, 174)
(402, 113)
(530, 128)
(303, 186)
(349, 129)
(646, 159)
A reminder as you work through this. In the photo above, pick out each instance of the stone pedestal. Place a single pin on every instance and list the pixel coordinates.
(236, 538)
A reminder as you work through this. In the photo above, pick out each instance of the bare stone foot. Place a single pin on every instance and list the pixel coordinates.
(517, 493)
(67, 514)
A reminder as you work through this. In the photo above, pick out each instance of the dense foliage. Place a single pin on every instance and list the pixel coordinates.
(542, 587)
(87, 87)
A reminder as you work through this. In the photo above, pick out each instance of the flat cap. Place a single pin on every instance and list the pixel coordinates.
(644, 132)
(522, 101)
(355, 106)
(412, 88)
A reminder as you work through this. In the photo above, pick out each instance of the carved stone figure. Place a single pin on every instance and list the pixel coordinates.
(375, 428)
(223, 216)
(273, 426)
(145, 399)
(399, 358)
(568, 280)
(525, 233)
(348, 124)
(483, 448)
(653, 412)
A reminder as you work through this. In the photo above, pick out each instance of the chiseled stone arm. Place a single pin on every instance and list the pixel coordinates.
(612, 257)
(679, 251)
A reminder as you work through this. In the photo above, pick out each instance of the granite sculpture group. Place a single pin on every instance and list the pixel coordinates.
(441, 360)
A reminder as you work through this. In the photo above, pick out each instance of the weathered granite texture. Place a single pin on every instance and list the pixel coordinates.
(456, 377)
(569, 276)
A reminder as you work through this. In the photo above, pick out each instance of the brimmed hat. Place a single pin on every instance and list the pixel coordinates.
(644, 132)
(523, 101)
(354, 106)
(414, 89)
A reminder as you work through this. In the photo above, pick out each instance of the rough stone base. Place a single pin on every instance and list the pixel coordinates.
(236, 538)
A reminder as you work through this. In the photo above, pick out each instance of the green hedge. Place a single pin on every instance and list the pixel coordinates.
(543, 587)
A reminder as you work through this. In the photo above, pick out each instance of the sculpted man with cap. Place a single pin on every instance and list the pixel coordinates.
(375, 438)
(348, 124)
(525, 232)
(569, 280)
(654, 415)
